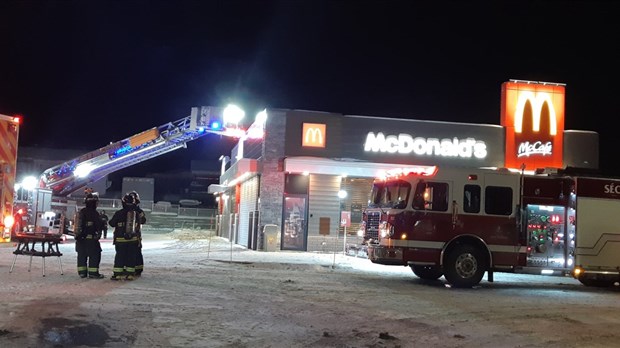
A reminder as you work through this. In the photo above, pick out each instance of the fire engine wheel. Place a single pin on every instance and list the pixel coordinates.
(426, 272)
(464, 266)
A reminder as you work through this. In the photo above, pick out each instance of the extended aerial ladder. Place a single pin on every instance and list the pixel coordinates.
(47, 215)
(76, 173)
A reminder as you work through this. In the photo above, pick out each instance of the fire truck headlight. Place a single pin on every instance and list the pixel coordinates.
(403, 236)
(386, 230)
(9, 220)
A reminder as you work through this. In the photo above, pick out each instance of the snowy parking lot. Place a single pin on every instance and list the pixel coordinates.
(198, 291)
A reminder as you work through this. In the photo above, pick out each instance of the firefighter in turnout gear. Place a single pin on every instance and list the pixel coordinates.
(139, 258)
(126, 240)
(88, 231)
(104, 221)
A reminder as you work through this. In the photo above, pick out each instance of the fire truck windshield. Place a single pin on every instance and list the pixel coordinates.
(390, 194)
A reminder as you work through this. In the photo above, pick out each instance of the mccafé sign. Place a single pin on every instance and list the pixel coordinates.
(533, 115)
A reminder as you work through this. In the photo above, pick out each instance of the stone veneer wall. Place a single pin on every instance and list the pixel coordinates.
(272, 177)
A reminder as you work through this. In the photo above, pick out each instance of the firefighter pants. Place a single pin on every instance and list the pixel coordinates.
(139, 260)
(125, 259)
(88, 256)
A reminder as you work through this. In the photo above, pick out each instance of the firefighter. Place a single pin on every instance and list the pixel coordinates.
(87, 235)
(139, 258)
(104, 221)
(126, 240)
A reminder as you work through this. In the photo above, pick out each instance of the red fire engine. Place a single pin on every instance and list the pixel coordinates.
(9, 134)
(460, 223)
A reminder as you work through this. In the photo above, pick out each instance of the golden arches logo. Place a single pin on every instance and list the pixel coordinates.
(533, 116)
(537, 101)
(313, 135)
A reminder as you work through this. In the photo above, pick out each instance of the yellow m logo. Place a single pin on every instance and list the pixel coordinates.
(537, 101)
(313, 135)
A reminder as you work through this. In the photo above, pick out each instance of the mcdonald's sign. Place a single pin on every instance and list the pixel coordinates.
(532, 113)
(313, 135)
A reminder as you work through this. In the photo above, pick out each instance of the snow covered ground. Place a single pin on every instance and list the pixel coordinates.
(198, 291)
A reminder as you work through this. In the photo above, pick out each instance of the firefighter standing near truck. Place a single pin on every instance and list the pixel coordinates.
(87, 236)
(104, 221)
(125, 222)
(139, 258)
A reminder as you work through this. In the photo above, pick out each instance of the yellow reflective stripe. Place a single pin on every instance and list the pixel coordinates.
(93, 269)
(130, 269)
(118, 270)
(82, 268)
(140, 267)
(123, 240)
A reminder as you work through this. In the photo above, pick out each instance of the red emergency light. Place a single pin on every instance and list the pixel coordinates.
(413, 170)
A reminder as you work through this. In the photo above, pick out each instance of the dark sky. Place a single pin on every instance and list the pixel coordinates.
(84, 73)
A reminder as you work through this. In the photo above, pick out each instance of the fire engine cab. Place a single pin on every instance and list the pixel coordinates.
(460, 223)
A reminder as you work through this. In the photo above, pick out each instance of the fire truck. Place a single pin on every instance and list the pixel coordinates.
(460, 223)
(9, 135)
(47, 214)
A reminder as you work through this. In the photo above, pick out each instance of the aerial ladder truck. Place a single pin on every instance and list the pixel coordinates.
(47, 216)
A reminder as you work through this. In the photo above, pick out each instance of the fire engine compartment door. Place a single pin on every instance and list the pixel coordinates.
(550, 235)
(597, 233)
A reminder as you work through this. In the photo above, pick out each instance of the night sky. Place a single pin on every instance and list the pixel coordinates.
(84, 73)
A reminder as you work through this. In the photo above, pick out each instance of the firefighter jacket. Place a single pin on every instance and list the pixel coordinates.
(90, 224)
(126, 223)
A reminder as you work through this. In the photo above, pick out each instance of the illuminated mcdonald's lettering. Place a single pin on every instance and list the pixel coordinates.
(406, 144)
(313, 135)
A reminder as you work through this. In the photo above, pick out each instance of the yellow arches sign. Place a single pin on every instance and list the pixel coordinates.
(533, 115)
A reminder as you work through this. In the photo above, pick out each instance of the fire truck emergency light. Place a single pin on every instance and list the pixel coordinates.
(9, 220)
(413, 170)
(215, 125)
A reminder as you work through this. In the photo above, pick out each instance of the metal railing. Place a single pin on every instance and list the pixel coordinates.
(160, 208)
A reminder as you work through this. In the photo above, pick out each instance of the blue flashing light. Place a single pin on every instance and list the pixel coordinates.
(216, 125)
(123, 150)
(201, 129)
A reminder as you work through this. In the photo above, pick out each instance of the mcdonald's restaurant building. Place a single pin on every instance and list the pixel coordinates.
(293, 178)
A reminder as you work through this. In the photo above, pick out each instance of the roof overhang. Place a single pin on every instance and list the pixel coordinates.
(243, 169)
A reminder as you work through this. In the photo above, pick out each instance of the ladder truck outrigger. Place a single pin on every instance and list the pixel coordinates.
(46, 214)
(460, 223)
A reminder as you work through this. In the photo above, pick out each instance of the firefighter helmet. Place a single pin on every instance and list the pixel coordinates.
(91, 199)
(136, 196)
(129, 199)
